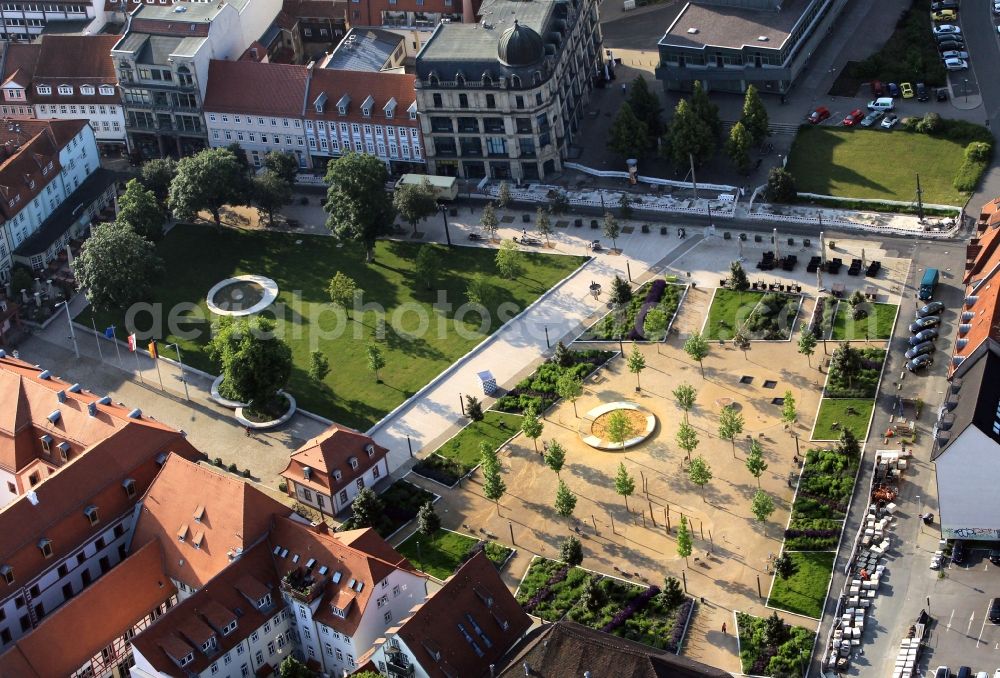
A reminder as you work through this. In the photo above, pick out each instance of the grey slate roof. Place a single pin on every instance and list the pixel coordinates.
(978, 398)
(369, 49)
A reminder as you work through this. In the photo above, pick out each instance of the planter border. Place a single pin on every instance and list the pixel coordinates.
(650, 342)
(265, 425)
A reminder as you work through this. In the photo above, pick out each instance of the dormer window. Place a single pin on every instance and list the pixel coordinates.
(208, 645)
(43, 89)
(46, 441)
(7, 572)
(353, 461)
(45, 546)
(320, 103)
(107, 90)
(184, 661)
(87, 90)
(129, 486)
(91, 513)
(65, 89)
(264, 602)
(337, 474)
(229, 628)
(342, 110)
(64, 450)
(370, 449)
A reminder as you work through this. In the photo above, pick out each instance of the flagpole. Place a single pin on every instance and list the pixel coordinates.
(133, 345)
(187, 396)
(93, 324)
(114, 340)
(158, 375)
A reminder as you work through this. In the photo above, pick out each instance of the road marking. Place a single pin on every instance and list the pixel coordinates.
(968, 629)
(981, 629)
(951, 618)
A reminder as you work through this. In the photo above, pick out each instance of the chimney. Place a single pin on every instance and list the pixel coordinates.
(527, 669)
(32, 497)
(493, 670)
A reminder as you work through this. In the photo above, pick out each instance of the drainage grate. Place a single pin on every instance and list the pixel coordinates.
(770, 383)
(746, 380)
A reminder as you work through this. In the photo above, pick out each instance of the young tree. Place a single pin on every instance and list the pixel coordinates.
(493, 485)
(612, 229)
(156, 175)
(784, 566)
(685, 395)
(563, 356)
(673, 594)
(473, 408)
(571, 551)
(531, 426)
(376, 361)
(625, 205)
(293, 668)
(624, 484)
(700, 473)
(807, 345)
(730, 425)
(283, 164)
(848, 443)
(489, 221)
(415, 202)
(270, 192)
(508, 260)
(636, 364)
(738, 147)
(555, 457)
(138, 208)
(780, 186)
(565, 500)
(255, 363)
(687, 439)
(569, 386)
(788, 412)
(358, 206)
(559, 203)
(117, 267)
(646, 107)
(479, 290)
(592, 596)
(754, 116)
(344, 292)
(738, 279)
(628, 136)
(367, 508)
(705, 109)
(426, 265)
(741, 340)
(542, 224)
(689, 136)
(761, 506)
(775, 630)
(207, 181)
(503, 195)
(319, 366)
(696, 347)
(428, 521)
(755, 461)
(684, 540)
(621, 291)
(619, 428)
(655, 325)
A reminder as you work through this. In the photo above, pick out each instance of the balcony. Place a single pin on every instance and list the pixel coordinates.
(302, 585)
(398, 666)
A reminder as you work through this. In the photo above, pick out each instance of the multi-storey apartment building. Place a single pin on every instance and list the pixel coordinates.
(26, 19)
(504, 98)
(51, 187)
(162, 63)
(66, 77)
(328, 471)
(314, 113)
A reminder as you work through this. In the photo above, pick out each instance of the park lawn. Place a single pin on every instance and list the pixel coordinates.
(878, 164)
(729, 310)
(495, 428)
(441, 554)
(833, 410)
(805, 591)
(878, 324)
(198, 256)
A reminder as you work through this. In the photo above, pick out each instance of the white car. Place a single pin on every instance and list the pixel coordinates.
(946, 29)
(890, 121)
(956, 64)
(953, 54)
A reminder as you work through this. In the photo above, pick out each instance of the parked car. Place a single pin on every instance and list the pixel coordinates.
(996, 10)
(853, 117)
(877, 88)
(944, 4)
(881, 104)
(925, 323)
(871, 118)
(946, 29)
(957, 37)
(893, 89)
(956, 64)
(995, 559)
(954, 54)
(942, 95)
(921, 349)
(964, 672)
(923, 335)
(890, 121)
(932, 308)
(958, 552)
(942, 672)
(919, 363)
(944, 15)
(907, 90)
(949, 45)
(995, 611)
(819, 115)
(922, 94)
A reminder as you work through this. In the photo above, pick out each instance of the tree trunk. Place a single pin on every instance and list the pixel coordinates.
(702, 366)
(733, 441)
(218, 218)
(574, 410)
(369, 252)
(497, 501)
(535, 441)
(626, 503)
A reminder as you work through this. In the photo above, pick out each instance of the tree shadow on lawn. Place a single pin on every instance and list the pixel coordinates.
(811, 162)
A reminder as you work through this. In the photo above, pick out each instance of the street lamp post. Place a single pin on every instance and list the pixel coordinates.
(444, 215)
(177, 348)
(72, 334)
(966, 82)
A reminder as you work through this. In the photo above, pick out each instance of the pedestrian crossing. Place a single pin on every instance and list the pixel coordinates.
(776, 128)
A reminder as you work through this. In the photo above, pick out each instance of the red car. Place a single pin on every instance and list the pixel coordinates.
(853, 118)
(819, 115)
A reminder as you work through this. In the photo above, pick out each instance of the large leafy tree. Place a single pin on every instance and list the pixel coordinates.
(628, 135)
(366, 509)
(283, 164)
(358, 206)
(646, 106)
(780, 185)
(255, 363)
(293, 668)
(738, 147)
(428, 521)
(157, 175)
(138, 208)
(414, 202)
(207, 181)
(270, 192)
(754, 116)
(117, 267)
(689, 136)
(705, 109)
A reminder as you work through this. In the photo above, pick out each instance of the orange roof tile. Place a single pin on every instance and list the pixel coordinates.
(253, 87)
(330, 452)
(358, 85)
(92, 620)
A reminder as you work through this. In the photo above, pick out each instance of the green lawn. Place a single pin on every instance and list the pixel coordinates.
(878, 324)
(836, 410)
(443, 553)
(805, 591)
(729, 311)
(495, 428)
(198, 256)
(876, 163)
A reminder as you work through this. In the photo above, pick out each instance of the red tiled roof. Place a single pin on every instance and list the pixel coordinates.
(26, 148)
(315, 9)
(254, 87)
(92, 620)
(475, 591)
(358, 85)
(333, 451)
(75, 60)
(19, 60)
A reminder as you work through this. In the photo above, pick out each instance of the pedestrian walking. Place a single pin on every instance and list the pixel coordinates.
(248, 431)
(723, 628)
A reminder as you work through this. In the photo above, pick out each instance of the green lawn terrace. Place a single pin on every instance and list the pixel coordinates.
(762, 315)
(416, 328)
(628, 322)
(443, 552)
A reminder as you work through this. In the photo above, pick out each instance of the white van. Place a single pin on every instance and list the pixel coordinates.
(881, 104)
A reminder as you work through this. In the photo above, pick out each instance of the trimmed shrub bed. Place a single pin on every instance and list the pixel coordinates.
(767, 649)
(854, 373)
(551, 588)
(539, 389)
(435, 467)
(402, 500)
(628, 322)
(826, 485)
(774, 316)
(812, 534)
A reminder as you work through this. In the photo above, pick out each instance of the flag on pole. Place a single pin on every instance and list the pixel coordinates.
(110, 332)
(153, 353)
(131, 342)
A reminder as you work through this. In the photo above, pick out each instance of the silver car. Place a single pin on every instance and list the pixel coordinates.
(956, 64)
(954, 54)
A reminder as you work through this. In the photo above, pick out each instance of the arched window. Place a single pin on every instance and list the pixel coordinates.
(515, 82)
(460, 79)
(432, 80)
(487, 79)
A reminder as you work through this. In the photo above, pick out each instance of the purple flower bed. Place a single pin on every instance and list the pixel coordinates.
(680, 625)
(761, 664)
(546, 591)
(633, 606)
(653, 296)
